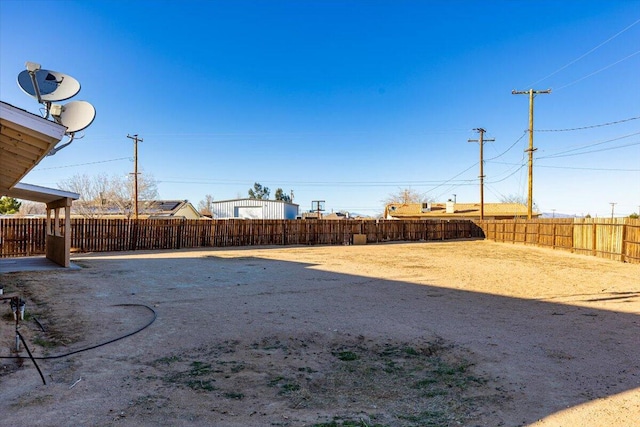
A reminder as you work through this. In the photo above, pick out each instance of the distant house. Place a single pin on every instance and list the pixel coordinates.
(336, 215)
(254, 209)
(147, 209)
(453, 210)
(157, 209)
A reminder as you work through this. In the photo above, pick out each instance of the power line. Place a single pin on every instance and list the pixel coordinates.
(575, 168)
(507, 150)
(598, 71)
(560, 154)
(449, 180)
(83, 164)
(508, 176)
(592, 151)
(281, 134)
(589, 169)
(589, 127)
(319, 184)
(585, 54)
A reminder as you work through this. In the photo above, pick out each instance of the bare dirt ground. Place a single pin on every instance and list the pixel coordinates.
(470, 333)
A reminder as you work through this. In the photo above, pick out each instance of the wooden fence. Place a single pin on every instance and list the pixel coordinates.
(617, 239)
(24, 237)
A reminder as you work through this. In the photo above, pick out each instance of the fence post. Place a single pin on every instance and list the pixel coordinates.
(180, 232)
(594, 245)
(573, 226)
(133, 237)
(623, 246)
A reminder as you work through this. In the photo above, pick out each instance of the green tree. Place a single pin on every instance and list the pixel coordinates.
(259, 192)
(9, 205)
(280, 195)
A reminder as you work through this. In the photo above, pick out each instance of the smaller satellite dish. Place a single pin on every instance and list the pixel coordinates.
(53, 86)
(76, 115)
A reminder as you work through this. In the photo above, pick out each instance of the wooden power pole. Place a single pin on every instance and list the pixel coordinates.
(135, 173)
(481, 140)
(530, 150)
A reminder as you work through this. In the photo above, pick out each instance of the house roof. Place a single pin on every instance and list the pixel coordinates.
(25, 139)
(162, 206)
(147, 208)
(165, 207)
(461, 210)
(335, 215)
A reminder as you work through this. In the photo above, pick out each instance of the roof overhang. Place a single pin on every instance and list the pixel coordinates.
(25, 139)
(39, 194)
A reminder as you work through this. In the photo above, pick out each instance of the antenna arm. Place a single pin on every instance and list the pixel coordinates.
(56, 149)
(47, 105)
(34, 81)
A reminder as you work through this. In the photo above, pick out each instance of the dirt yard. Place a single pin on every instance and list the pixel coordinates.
(470, 333)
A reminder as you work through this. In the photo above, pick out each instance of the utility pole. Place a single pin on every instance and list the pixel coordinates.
(318, 205)
(612, 205)
(135, 173)
(530, 150)
(481, 140)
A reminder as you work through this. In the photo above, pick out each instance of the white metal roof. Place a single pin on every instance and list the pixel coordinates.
(39, 194)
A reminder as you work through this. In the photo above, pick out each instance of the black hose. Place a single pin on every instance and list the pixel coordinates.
(39, 324)
(31, 356)
(155, 316)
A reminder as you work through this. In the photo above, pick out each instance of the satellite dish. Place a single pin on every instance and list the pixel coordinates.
(76, 115)
(53, 86)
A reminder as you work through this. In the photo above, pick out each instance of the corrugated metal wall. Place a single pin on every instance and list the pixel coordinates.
(271, 209)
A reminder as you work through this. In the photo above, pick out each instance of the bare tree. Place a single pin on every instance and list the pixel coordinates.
(406, 195)
(514, 198)
(102, 194)
(32, 208)
(204, 206)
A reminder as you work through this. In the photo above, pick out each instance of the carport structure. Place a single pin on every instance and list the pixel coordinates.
(25, 139)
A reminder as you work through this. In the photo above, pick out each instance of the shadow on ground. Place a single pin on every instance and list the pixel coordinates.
(544, 357)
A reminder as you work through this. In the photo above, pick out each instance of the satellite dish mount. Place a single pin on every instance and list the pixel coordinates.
(48, 87)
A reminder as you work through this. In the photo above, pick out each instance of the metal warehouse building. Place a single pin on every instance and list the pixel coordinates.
(254, 209)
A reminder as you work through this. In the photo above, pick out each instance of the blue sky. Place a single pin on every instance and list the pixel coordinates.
(345, 101)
